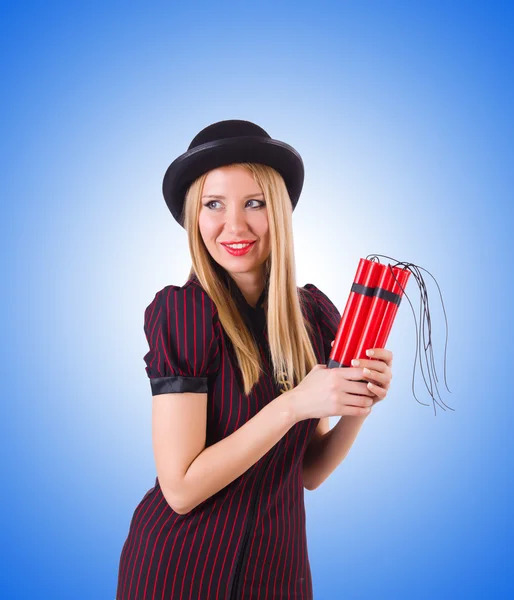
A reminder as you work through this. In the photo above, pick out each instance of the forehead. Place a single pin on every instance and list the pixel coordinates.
(230, 179)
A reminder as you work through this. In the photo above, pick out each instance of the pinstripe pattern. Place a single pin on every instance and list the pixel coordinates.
(252, 532)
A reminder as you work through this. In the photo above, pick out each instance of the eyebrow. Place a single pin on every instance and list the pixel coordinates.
(219, 197)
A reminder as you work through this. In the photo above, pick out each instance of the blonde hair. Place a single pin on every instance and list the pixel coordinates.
(290, 346)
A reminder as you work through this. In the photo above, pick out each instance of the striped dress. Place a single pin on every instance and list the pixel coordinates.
(247, 541)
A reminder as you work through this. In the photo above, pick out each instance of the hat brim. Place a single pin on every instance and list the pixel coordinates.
(193, 163)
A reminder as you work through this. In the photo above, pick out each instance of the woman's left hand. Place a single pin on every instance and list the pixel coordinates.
(377, 371)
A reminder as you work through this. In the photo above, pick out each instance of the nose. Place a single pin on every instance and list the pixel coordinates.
(236, 219)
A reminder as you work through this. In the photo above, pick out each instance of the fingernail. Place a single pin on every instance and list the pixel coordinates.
(369, 352)
(355, 362)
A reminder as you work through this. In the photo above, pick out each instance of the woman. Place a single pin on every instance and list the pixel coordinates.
(241, 393)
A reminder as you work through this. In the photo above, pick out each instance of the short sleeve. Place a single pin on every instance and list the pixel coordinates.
(182, 329)
(328, 317)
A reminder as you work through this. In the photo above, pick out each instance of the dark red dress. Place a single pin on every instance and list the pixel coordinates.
(247, 541)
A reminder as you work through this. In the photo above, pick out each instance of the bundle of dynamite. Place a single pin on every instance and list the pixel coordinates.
(371, 308)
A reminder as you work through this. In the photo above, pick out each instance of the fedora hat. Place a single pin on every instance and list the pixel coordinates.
(224, 143)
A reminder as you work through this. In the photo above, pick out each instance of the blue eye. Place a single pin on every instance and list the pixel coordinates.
(260, 201)
(207, 204)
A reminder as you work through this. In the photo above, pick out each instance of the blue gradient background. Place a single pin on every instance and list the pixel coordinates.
(402, 113)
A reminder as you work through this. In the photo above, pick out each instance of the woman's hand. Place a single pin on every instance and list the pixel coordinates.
(328, 392)
(378, 371)
(337, 392)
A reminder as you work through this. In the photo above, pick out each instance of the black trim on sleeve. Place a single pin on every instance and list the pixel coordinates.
(178, 384)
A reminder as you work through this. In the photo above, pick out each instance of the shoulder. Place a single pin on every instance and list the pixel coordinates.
(322, 303)
(189, 298)
(313, 294)
(182, 336)
(307, 297)
(309, 290)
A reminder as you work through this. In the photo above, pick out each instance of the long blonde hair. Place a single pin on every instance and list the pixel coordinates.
(290, 346)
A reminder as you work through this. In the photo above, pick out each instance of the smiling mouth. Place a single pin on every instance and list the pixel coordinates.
(240, 245)
(239, 251)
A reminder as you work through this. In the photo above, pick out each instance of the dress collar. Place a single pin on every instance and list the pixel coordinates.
(255, 317)
(241, 300)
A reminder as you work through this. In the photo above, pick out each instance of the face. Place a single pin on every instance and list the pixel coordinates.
(237, 213)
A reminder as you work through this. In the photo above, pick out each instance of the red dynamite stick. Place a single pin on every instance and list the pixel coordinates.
(375, 315)
(384, 306)
(402, 276)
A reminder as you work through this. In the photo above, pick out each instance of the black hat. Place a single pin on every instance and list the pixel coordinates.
(224, 143)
